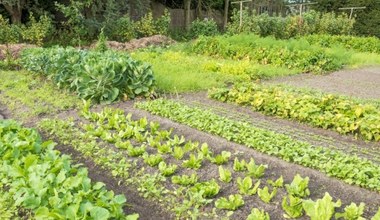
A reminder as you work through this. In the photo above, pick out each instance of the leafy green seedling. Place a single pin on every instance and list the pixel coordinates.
(205, 151)
(185, 180)
(277, 183)
(254, 170)
(232, 203)
(257, 214)
(154, 126)
(193, 162)
(178, 152)
(167, 170)
(208, 189)
(221, 158)
(177, 140)
(190, 146)
(136, 151)
(352, 212)
(293, 208)
(225, 175)
(154, 141)
(164, 148)
(298, 187)
(245, 186)
(240, 165)
(321, 209)
(152, 160)
(123, 144)
(265, 195)
(141, 138)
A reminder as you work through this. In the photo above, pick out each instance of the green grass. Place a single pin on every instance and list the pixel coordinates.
(176, 71)
(27, 95)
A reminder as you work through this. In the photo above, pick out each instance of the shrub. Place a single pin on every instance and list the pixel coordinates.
(122, 29)
(206, 27)
(283, 28)
(36, 31)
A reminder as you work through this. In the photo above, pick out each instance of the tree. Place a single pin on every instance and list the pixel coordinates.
(14, 8)
(187, 7)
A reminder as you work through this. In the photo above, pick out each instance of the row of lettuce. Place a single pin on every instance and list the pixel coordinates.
(101, 76)
(171, 170)
(41, 183)
(350, 169)
(342, 114)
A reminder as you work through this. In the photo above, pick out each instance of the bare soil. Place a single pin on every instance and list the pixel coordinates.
(359, 83)
(319, 182)
(299, 131)
(156, 40)
(14, 50)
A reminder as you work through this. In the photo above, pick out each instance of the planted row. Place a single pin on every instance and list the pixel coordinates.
(327, 111)
(291, 54)
(99, 76)
(361, 44)
(351, 169)
(167, 155)
(41, 180)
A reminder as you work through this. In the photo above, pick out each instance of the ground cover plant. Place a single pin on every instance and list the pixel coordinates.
(351, 169)
(101, 76)
(45, 184)
(27, 95)
(108, 135)
(292, 54)
(361, 44)
(345, 115)
(172, 72)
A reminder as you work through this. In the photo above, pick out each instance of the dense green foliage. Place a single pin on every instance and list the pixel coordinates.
(351, 169)
(366, 20)
(361, 44)
(286, 53)
(206, 27)
(38, 178)
(100, 76)
(176, 71)
(344, 115)
(290, 26)
(33, 32)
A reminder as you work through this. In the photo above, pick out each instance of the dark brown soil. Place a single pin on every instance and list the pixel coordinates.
(319, 182)
(299, 131)
(14, 50)
(137, 204)
(360, 83)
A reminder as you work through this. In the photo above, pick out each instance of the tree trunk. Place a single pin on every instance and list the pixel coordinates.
(199, 9)
(15, 13)
(187, 5)
(225, 18)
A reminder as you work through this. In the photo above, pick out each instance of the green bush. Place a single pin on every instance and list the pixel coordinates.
(36, 31)
(148, 26)
(291, 26)
(99, 76)
(121, 30)
(9, 34)
(207, 27)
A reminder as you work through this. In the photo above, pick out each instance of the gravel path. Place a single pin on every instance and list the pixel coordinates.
(359, 83)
